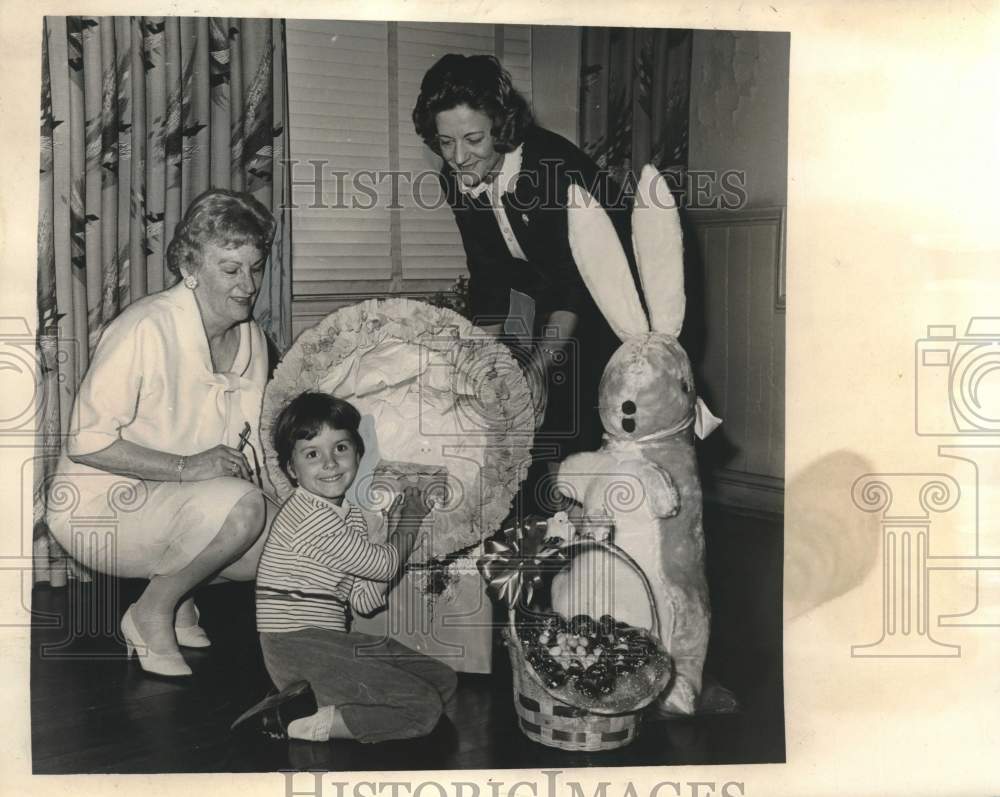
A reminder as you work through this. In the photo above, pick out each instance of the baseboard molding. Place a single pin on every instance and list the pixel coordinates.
(747, 492)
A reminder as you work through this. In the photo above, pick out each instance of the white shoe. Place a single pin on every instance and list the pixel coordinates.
(192, 636)
(169, 664)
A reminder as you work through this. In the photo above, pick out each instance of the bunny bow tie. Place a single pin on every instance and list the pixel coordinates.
(704, 421)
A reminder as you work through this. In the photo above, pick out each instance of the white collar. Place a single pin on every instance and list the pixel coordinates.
(510, 169)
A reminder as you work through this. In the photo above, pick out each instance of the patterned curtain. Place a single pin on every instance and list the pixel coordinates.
(139, 116)
(635, 89)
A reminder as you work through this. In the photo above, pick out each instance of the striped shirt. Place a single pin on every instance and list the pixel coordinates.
(317, 561)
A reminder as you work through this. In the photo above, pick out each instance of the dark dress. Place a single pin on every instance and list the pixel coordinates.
(536, 210)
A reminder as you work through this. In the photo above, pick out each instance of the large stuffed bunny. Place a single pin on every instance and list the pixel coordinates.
(643, 482)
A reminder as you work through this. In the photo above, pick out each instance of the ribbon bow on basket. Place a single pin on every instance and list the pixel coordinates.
(515, 565)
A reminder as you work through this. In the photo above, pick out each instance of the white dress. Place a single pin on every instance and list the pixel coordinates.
(151, 382)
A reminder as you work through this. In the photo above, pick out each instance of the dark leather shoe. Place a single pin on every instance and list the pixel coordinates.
(272, 714)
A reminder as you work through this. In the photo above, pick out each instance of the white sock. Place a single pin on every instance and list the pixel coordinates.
(314, 728)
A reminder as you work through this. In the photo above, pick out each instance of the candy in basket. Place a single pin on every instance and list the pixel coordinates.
(580, 683)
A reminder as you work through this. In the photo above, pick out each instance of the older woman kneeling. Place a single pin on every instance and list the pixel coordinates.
(174, 381)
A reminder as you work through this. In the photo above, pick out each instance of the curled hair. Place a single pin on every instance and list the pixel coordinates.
(305, 416)
(224, 218)
(481, 83)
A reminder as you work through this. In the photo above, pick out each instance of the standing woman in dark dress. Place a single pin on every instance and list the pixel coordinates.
(506, 180)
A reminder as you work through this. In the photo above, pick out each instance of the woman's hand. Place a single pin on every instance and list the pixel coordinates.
(550, 353)
(215, 462)
(139, 462)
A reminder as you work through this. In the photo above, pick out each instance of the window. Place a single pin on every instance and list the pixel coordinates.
(352, 86)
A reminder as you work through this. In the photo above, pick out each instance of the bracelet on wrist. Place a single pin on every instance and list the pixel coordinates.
(181, 462)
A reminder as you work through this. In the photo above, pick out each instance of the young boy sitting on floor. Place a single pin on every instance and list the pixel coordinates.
(317, 564)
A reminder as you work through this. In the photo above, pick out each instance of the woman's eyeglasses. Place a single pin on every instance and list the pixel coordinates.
(244, 443)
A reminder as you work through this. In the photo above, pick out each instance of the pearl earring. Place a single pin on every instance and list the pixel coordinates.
(190, 281)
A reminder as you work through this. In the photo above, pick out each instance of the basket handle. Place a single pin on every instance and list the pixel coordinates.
(622, 556)
(574, 547)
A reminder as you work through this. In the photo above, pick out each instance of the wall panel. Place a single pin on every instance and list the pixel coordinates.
(744, 361)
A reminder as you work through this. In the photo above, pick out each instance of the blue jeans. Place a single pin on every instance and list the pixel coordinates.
(383, 689)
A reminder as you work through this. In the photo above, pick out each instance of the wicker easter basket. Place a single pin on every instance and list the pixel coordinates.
(552, 716)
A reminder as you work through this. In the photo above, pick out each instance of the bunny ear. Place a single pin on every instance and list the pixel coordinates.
(659, 251)
(602, 263)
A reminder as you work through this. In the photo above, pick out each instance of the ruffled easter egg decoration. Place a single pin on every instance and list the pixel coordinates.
(434, 391)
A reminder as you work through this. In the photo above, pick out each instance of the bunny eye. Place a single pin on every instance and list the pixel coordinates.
(685, 386)
(628, 407)
(628, 424)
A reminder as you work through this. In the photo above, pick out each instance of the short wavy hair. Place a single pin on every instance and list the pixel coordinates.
(304, 417)
(480, 82)
(221, 217)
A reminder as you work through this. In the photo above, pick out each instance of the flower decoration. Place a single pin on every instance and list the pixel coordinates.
(455, 298)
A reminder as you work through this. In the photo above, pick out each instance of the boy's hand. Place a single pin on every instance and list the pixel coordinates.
(405, 516)
(409, 506)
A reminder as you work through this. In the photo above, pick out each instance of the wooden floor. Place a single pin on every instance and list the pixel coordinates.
(93, 711)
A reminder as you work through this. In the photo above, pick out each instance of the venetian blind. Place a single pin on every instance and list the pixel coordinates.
(352, 86)
(338, 90)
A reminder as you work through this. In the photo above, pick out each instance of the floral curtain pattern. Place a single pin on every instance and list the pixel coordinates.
(634, 98)
(139, 115)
